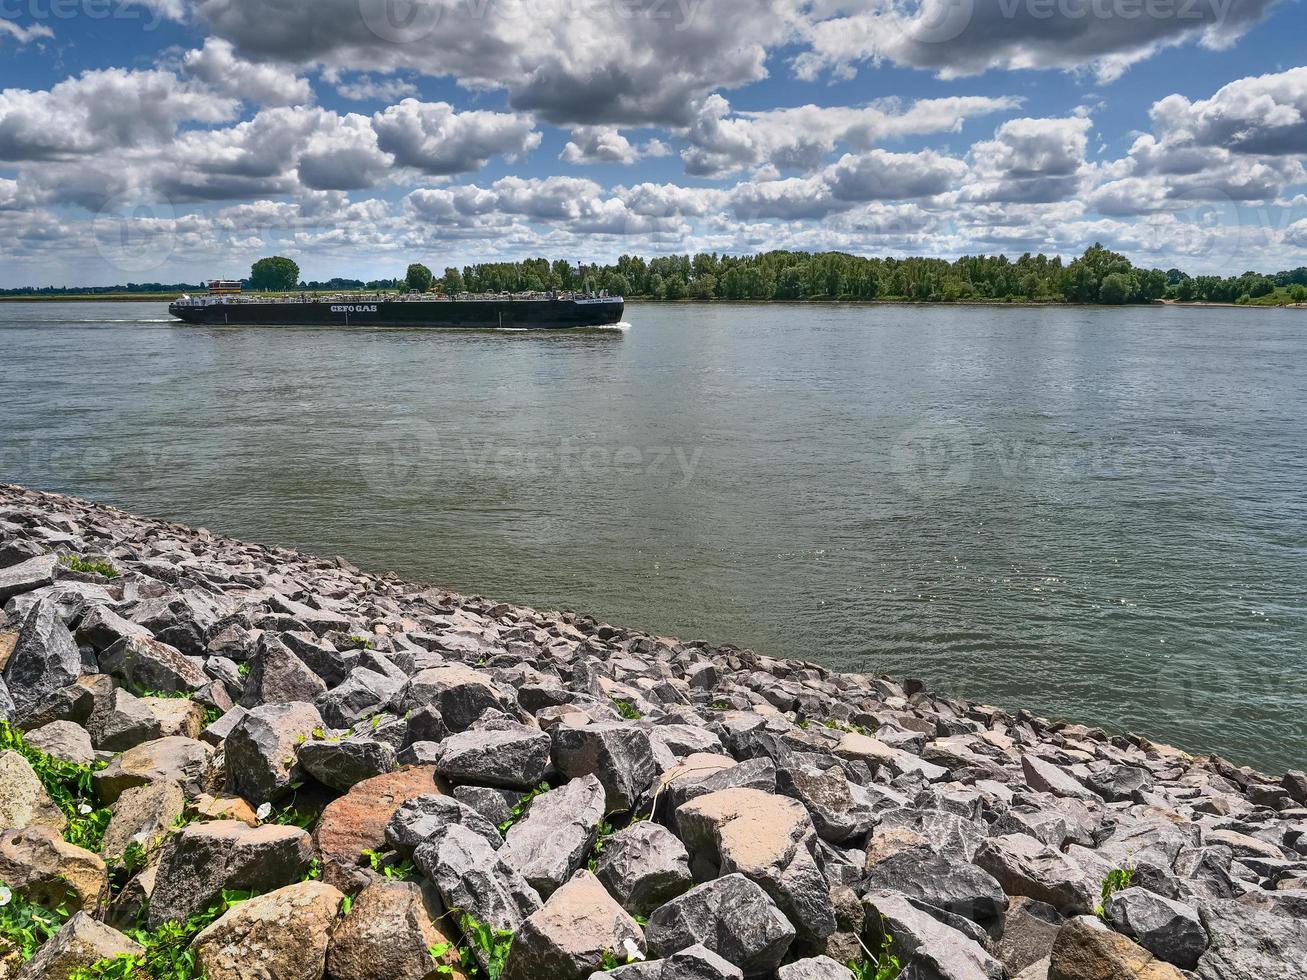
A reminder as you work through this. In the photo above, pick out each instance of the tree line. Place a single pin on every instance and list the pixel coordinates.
(1100, 276)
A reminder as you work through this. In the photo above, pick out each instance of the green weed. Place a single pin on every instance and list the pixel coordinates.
(520, 808)
(24, 925)
(70, 787)
(1118, 879)
(79, 564)
(627, 710)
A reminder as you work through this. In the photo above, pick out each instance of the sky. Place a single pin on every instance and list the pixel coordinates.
(177, 140)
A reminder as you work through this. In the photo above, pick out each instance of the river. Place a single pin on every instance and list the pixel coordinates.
(1095, 514)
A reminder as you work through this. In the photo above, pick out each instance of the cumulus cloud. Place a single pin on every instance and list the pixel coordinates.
(367, 88)
(102, 110)
(217, 65)
(585, 62)
(802, 138)
(604, 144)
(967, 37)
(881, 176)
(433, 138)
(1030, 160)
(1263, 115)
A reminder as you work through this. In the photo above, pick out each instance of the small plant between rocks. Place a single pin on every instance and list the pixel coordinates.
(88, 567)
(69, 786)
(1118, 879)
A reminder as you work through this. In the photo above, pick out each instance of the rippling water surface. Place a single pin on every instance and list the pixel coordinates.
(1097, 514)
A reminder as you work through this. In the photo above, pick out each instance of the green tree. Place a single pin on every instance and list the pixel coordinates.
(454, 282)
(276, 274)
(1116, 289)
(419, 278)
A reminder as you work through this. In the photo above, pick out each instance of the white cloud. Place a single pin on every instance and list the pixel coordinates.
(103, 110)
(968, 37)
(604, 144)
(433, 138)
(802, 138)
(23, 35)
(367, 88)
(1263, 115)
(1030, 160)
(217, 65)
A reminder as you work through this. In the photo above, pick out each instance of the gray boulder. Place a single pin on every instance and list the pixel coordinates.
(150, 665)
(44, 660)
(343, 763)
(552, 841)
(644, 866)
(1167, 929)
(1029, 931)
(512, 756)
(932, 949)
(1025, 866)
(620, 755)
(64, 740)
(471, 876)
(459, 693)
(697, 963)
(35, 573)
(841, 811)
(568, 938)
(1249, 943)
(816, 968)
(101, 627)
(943, 882)
(424, 818)
(261, 749)
(79, 943)
(277, 676)
(731, 916)
(202, 860)
(359, 696)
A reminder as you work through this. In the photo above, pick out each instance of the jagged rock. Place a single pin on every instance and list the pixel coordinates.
(1087, 950)
(101, 627)
(44, 868)
(356, 822)
(1120, 783)
(176, 716)
(816, 968)
(943, 882)
(696, 963)
(44, 660)
(1248, 942)
(181, 760)
(1167, 929)
(35, 573)
(64, 740)
(321, 621)
(567, 938)
(496, 805)
(471, 877)
(731, 916)
(359, 696)
(928, 946)
(342, 764)
(388, 935)
(459, 693)
(700, 775)
(123, 721)
(203, 859)
(550, 843)
(143, 814)
(7, 707)
(261, 749)
(422, 818)
(24, 800)
(841, 812)
(216, 733)
(282, 934)
(149, 665)
(644, 866)
(1025, 866)
(79, 943)
(207, 807)
(770, 840)
(1029, 930)
(277, 676)
(1046, 777)
(514, 757)
(620, 755)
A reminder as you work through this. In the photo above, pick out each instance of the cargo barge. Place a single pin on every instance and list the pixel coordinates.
(545, 311)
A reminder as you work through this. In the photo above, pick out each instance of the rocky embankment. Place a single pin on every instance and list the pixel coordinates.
(239, 762)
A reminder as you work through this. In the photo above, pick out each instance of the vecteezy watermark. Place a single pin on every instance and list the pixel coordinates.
(410, 21)
(42, 11)
(942, 459)
(410, 462)
(135, 237)
(942, 21)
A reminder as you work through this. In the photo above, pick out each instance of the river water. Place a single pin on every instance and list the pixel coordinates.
(1096, 514)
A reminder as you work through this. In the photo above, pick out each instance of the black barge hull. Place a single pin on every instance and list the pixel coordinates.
(484, 314)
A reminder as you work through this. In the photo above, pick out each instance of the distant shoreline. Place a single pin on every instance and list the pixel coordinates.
(164, 298)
